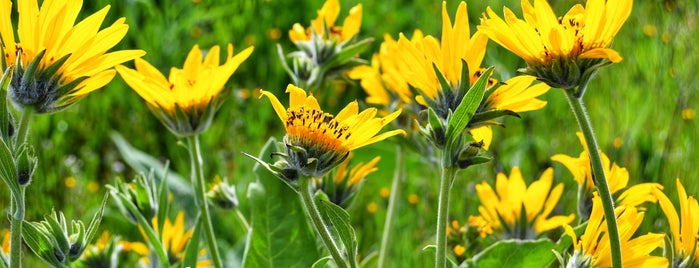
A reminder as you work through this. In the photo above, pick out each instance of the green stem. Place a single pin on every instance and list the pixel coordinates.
(241, 218)
(17, 218)
(448, 174)
(390, 213)
(578, 108)
(23, 128)
(200, 194)
(18, 205)
(306, 190)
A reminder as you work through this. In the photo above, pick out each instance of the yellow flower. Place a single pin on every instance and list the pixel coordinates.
(342, 186)
(5, 242)
(318, 141)
(502, 208)
(592, 247)
(174, 239)
(187, 100)
(457, 44)
(57, 63)
(516, 95)
(324, 25)
(684, 227)
(383, 81)
(562, 51)
(617, 177)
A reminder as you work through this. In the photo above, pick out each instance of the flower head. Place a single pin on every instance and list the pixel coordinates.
(561, 51)
(520, 211)
(187, 101)
(317, 141)
(617, 179)
(325, 50)
(56, 62)
(324, 25)
(383, 80)
(341, 186)
(174, 239)
(516, 95)
(429, 58)
(592, 248)
(684, 228)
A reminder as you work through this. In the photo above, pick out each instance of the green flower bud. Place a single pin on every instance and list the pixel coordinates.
(26, 164)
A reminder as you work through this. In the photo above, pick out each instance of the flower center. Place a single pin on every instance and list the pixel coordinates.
(313, 129)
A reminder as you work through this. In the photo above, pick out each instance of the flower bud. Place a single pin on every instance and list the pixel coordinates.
(26, 164)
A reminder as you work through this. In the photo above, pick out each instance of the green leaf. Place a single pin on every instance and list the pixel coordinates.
(40, 243)
(340, 220)
(8, 170)
(280, 235)
(4, 112)
(515, 253)
(191, 252)
(467, 108)
(321, 263)
(346, 54)
(144, 163)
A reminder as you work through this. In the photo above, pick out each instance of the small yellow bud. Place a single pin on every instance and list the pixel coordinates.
(688, 114)
(384, 192)
(371, 208)
(412, 199)
(459, 250)
(71, 182)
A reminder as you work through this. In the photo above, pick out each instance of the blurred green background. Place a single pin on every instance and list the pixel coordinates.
(636, 106)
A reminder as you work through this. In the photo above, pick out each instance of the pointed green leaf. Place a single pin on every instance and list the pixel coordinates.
(321, 263)
(515, 253)
(346, 54)
(467, 108)
(4, 112)
(280, 235)
(340, 220)
(144, 163)
(191, 252)
(40, 243)
(8, 170)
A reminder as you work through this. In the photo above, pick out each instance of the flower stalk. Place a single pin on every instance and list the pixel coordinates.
(306, 190)
(398, 177)
(448, 175)
(17, 204)
(578, 107)
(200, 197)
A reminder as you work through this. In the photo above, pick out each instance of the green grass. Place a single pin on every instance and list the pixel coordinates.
(639, 101)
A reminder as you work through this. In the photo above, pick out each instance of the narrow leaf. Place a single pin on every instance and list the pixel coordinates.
(191, 252)
(467, 108)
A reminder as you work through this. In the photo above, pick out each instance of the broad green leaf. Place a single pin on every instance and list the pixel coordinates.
(280, 235)
(515, 253)
(467, 108)
(340, 220)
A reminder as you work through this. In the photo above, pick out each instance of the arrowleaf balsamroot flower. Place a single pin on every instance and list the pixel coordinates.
(592, 248)
(317, 141)
(617, 179)
(174, 239)
(187, 101)
(563, 51)
(56, 62)
(515, 96)
(684, 227)
(324, 25)
(519, 211)
(341, 186)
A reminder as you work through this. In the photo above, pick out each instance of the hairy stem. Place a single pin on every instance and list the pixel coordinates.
(306, 191)
(578, 108)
